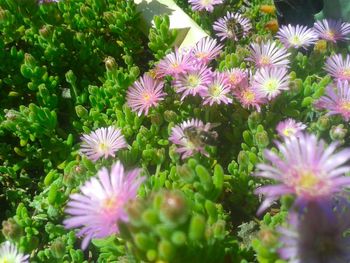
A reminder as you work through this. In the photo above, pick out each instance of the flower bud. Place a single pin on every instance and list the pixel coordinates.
(338, 132)
(11, 230)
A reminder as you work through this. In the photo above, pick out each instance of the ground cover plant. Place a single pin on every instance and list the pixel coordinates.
(117, 146)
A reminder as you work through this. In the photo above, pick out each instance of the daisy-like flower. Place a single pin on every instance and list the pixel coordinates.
(235, 77)
(290, 127)
(206, 50)
(103, 142)
(100, 205)
(338, 67)
(270, 82)
(336, 100)
(316, 236)
(268, 55)
(175, 63)
(10, 254)
(309, 170)
(250, 98)
(232, 26)
(187, 142)
(194, 82)
(332, 30)
(297, 36)
(207, 5)
(144, 94)
(218, 90)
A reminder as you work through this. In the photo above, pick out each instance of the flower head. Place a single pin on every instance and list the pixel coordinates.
(232, 26)
(336, 100)
(206, 50)
(185, 137)
(100, 205)
(290, 127)
(175, 63)
(317, 236)
(268, 55)
(193, 82)
(144, 94)
(249, 97)
(270, 82)
(10, 254)
(338, 67)
(297, 36)
(217, 91)
(235, 77)
(309, 170)
(332, 30)
(103, 142)
(207, 5)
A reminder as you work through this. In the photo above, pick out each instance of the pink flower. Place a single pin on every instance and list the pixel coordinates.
(144, 94)
(193, 82)
(100, 205)
(249, 97)
(336, 100)
(309, 170)
(206, 50)
(235, 77)
(290, 127)
(332, 30)
(270, 82)
(175, 63)
(103, 142)
(218, 91)
(207, 5)
(232, 26)
(187, 145)
(338, 67)
(297, 36)
(268, 55)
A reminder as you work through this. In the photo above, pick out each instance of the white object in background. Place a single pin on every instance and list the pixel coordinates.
(189, 33)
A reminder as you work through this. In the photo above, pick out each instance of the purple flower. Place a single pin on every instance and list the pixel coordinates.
(207, 5)
(206, 50)
(218, 90)
(144, 94)
(317, 235)
(338, 67)
(10, 254)
(100, 205)
(232, 26)
(290, 127)
(308, 169)
(249, 97)
(103, 142)
(187, 145)
(193, 82)
(175, 63)
(336, 100)
(297, 36)
(268, 55)
(270, 82)
(332, 30)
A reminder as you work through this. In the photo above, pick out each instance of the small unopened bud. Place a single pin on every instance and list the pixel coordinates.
(170, 116)
(185, 173)
(268, 9)
(46, 31)
(11, 230)
(262, 139)
(272, 26)
(321, 46)
(338, 132)
(323, 123)
(174, 207)
(110, 63)
(58, 248)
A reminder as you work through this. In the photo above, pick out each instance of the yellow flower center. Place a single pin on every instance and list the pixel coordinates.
(215, 90)
(248, 96)
(201, 55)
(206, 2)
(146, 97)
(175, 65)
(109, 204)
(265, 60)
(295, 40)
(307, 182)
(193, 81)
(271, 85)
(330, 34)
(288, 132)
(345, 106)
(346, 73)
(102, 147)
